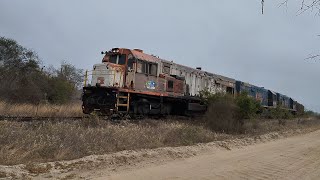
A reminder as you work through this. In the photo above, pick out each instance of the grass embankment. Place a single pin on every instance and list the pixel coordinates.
(42, 110)
(59, 139)
(28, 142)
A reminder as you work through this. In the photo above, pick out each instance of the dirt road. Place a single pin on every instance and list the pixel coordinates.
(292, 158)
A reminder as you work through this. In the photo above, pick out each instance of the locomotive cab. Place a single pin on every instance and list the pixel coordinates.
(106, 78)
(111, 72)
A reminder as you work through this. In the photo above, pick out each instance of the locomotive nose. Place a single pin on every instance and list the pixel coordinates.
(107, 75)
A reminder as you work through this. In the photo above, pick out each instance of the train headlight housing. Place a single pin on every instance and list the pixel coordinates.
(115, 50)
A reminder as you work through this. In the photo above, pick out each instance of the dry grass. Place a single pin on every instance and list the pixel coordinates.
(3, 175)
(31, 142)
(26, 142)
(38, 169)
(263, 126)
(221, 116)
(42, 110)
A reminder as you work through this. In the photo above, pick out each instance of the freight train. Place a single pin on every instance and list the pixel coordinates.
(129, 81)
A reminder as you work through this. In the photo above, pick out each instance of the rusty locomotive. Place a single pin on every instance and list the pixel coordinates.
(129, 81)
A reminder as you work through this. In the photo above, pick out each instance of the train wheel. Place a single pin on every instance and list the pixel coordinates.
(87, 109)
(142, 107)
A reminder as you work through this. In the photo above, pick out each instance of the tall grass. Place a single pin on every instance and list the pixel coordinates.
(41, 110)
(43, 141)
(24, 142)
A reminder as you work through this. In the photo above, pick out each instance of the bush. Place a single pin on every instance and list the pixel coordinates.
(279, 113)
(248, 107)
(222, 116)
(61, 91)
(227, 114)
(310, 113)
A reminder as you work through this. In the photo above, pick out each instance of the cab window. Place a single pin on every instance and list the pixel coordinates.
(166, 68)
(147, 68)
(113, 59)
(122, 59)
(130, 63)
(141, 67)
(152, 70)
(118, 59)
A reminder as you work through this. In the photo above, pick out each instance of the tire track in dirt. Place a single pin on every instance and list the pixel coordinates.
(292, 158)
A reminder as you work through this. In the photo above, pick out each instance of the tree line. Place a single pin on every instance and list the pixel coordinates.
(24, 79)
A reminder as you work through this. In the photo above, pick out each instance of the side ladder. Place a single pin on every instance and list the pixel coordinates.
(123, 102)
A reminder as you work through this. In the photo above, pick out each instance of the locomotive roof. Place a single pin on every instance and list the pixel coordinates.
(139, 54)
(143, 56)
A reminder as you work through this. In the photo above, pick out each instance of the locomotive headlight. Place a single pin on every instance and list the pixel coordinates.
(115, 50)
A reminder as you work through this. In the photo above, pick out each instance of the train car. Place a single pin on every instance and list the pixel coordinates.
(299, 108)
(283, 101)
(130, 81)
(258, 93)
(272, 99)
(292, 105)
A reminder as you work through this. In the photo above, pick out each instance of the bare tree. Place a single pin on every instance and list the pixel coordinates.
(306, 5)
(310, 5)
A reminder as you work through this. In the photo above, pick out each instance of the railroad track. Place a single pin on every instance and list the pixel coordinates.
(39, 118)
(30, 118)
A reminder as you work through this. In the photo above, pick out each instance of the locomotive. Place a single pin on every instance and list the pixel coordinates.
(129, 81)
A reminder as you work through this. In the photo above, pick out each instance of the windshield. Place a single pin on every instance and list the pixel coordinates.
(118, 59)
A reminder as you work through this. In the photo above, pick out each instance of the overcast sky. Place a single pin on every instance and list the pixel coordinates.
(231, 38)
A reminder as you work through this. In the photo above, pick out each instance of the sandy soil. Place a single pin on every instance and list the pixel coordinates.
(289, 155)
(292, 158)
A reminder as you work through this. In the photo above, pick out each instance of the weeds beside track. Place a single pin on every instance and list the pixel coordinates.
(54, 140)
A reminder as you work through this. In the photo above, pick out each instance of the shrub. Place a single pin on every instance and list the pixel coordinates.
(248, 107)
(208, 98)
(221, 116)
(227, 114)
(279, 113)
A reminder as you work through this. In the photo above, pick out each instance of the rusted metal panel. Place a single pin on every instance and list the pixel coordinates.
(198, 80)
(178, 87)
(140, 80)
(130, 79)
(108, 75)
(149, 83)
(143, 56)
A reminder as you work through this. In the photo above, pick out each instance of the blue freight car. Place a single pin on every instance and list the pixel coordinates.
(258, 93)
(283, 101)
(272, 99)
(261, 95)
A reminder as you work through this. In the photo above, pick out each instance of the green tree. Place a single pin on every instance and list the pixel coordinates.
(61, 91)
(20, 74)
(23, 80)
(71, 74)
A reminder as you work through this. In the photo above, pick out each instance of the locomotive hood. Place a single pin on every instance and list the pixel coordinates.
(107, 75)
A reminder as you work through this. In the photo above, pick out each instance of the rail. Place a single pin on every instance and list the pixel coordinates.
(30, 118)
